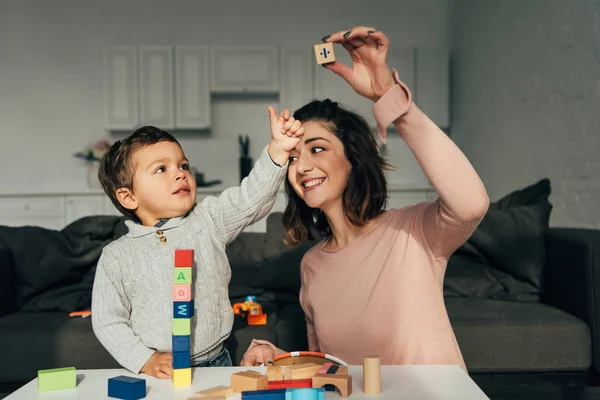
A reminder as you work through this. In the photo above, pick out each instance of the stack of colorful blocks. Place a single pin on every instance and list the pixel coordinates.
(183, 311)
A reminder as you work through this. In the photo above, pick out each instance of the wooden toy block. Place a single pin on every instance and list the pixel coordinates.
(181, 343)
(305, 394)
(371, 375)
(182, 326)
(223, 391)
(343, 383)
(182, 276)
(183, 309)
(57, 379)
(184, 258)
(181, 359)
(182, 377)
(301, 371)
(324, 53)
(249, 380)
(274, 373)
(126, 387)
(276, 394)
(291, 384)
(182, 292)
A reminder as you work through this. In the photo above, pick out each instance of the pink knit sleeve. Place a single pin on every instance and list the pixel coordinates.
(313, 342)
(462, 203)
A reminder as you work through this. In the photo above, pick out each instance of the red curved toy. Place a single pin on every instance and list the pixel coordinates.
(309, 354)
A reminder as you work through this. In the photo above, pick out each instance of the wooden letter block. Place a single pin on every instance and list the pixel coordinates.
(324, 53)
(343, 383)
(249, 380)
(182, 326)
(126, 387)
(223, 391)
(182, 292)
(182, 276)
(182, 377)
(57, 379)
(301, 371)
(183, 309)
(184, 258)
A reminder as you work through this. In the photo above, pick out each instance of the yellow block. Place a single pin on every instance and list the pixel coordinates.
(182, 377)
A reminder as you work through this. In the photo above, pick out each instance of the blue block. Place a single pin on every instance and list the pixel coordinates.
(181, 359)
(180, 343)
(273, 394)
(183, 309)
(126, 387)
(305, 394)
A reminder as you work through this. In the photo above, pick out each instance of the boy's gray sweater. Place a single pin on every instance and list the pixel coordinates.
(132, 300)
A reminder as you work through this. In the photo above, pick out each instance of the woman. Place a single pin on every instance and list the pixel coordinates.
(374, 285)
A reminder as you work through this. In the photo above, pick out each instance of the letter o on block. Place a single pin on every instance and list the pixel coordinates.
(182, 292)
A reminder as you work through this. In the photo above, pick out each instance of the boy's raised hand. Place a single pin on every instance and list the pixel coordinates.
(159, 365)
(285, 135)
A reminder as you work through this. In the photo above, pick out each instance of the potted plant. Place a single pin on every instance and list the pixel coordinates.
(92, 155)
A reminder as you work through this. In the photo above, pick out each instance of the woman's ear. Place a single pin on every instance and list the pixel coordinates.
(127, 198)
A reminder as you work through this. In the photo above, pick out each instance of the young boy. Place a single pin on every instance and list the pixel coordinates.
(147, 178)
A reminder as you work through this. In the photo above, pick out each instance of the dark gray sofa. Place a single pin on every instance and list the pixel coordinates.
(557, 334)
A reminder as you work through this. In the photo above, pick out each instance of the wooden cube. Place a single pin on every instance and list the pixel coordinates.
(223, 391)
(249, 380)
(184, 258)
(182, 276)
(324, 53)
(182, 377)
(126, 387)
(57, 379)
(182, 326)
(182, 292)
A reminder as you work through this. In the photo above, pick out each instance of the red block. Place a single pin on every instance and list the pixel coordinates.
(184, 258)
(291, 384)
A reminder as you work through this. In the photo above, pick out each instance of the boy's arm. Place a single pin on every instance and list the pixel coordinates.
(241, 206)
(110, 318)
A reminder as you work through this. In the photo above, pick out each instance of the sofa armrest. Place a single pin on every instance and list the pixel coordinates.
(8, 302)
(573, 278)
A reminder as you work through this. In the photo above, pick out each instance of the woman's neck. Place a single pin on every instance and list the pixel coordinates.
(342, 230)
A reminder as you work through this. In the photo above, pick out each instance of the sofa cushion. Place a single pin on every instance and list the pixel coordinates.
(48, 340)
(245, 257)
(505, 256)
(509, 336)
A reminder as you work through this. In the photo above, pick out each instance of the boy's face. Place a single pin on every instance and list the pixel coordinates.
(163, 186)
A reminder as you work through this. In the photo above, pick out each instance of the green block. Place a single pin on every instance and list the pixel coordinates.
(57, 379)
(182, 326)
(183, 276)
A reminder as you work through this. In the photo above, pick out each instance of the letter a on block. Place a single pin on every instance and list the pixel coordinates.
(182, 276)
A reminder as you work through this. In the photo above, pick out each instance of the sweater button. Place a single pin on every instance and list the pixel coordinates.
(159, 232)
(163, 239)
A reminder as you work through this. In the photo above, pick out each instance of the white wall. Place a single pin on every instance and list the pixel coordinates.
(51, 78)
(526, 98)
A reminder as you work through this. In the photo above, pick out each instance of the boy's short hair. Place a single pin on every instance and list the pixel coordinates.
(116, 168)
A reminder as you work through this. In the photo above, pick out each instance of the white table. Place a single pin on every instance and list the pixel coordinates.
(397, 383)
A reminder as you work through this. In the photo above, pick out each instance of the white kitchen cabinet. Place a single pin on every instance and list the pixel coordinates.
(82, 206)
(244, 69)
(121, 88)
(433, 84)
(297, 66)
(192, 87)
(329, 85)
(108, 208)
(156, 86)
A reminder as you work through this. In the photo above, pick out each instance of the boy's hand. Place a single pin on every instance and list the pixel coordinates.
(159, 365)
(285, 135)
